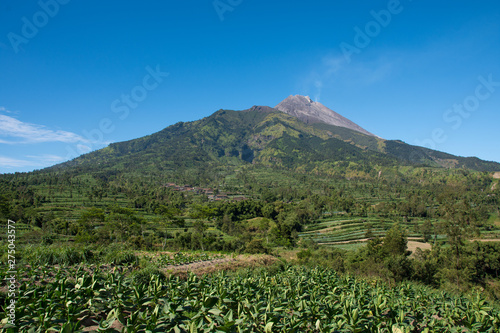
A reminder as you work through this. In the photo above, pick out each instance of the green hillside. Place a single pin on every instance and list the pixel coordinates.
(262, 182)
(264, 136)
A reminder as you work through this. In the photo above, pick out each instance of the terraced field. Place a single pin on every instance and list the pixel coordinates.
(345, 232)
(353, 232)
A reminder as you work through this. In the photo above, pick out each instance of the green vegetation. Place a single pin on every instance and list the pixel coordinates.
(349, 208)
(280, 299)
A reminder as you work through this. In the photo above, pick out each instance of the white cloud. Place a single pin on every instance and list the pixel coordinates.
(329, 67)
(33, 161)
(4, 109)
(46, 158)
(333, 64)
(8, 162)
(334, 68)
(83, 148)
(22, 133)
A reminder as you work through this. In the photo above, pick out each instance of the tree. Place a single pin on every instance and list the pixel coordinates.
(426, 265)
(90, 219)
(395, 251)
(226, 225)
(426, 230)
(395, 241)
(168, 218)
(286, 230)
(58, 226)
(122, 223)
(369, 232)
(199, 233)
(4, 206)
(201, 212)
(459, 225)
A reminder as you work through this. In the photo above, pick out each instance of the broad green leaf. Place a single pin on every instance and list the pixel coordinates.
(269, 327)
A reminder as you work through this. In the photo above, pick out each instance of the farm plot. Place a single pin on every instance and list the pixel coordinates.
(291, 299)
(180, 258)
(354, 232)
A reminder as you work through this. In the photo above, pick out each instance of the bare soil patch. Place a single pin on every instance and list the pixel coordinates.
(412, 246)
(412, 243)
(224, 264)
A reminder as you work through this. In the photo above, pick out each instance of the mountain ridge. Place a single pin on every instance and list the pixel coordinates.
(270, 137)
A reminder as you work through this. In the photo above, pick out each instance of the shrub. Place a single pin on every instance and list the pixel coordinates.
(121, 258)
(256, 245)
(145, 275)
(56, 255)
(115, 254)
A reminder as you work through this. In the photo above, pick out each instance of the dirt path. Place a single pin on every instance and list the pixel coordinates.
(366, 240)
(197, 265)
(496, 175)
(223, 264)
(346, 242)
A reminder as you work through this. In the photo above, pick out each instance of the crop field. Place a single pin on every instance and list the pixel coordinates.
(342, 230)
(123, 298)
(352, 232)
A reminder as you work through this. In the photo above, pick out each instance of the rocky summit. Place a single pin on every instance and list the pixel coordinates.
(309, 111)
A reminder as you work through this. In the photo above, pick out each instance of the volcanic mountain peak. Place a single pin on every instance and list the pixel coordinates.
(308, 111)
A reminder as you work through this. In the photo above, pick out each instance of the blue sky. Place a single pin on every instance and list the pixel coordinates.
(77, 75)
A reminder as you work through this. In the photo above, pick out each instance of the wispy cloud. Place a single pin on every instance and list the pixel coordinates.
(18, 132)
(33, 161)
(83, 148)
(8, 162)
(4, 109)
(333, 64)
(46, 158)
(322, 74)
(334, 67)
